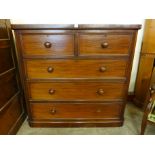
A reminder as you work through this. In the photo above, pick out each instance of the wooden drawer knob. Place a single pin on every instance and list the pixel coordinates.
(102, 69)
(51, 91)
(50, 69)
(53, 111)
(104, 45)
(100, 91)
(47, 44)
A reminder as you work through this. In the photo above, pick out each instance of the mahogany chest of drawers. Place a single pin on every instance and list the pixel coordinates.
(75, 76)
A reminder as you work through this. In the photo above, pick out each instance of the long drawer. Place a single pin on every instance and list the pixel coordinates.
(76, 91)
(37, 69)
(48, 111)
(101, 44)
(46, 44)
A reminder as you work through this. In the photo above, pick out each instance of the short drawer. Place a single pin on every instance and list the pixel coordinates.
(38, 69)
(47, 111)
(76, 91)
(99, 44)
(56, 45)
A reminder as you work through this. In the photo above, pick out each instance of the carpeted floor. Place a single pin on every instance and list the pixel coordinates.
(132, 124)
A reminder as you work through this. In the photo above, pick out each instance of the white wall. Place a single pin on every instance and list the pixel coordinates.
(106, 21)
(136, 58)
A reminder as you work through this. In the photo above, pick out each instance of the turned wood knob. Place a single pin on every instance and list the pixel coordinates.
(102, 69)
(51, 91)
(47, 44)
(104, 45)
(53, 111)
(100, 91)
(50, 69)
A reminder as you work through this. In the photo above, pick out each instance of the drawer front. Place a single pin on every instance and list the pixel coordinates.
(8, 86)
(48, 44)
(75, 68)
(49, 111)
(76, 91)
(98, 44)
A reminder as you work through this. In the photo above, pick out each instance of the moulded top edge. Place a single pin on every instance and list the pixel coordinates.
(72, 26)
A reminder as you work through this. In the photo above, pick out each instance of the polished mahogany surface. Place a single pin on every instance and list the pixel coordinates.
(75, 76)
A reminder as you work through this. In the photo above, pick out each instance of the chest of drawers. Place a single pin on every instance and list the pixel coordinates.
(75, 76)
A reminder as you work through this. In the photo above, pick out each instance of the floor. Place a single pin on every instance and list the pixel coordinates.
(133, 117)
